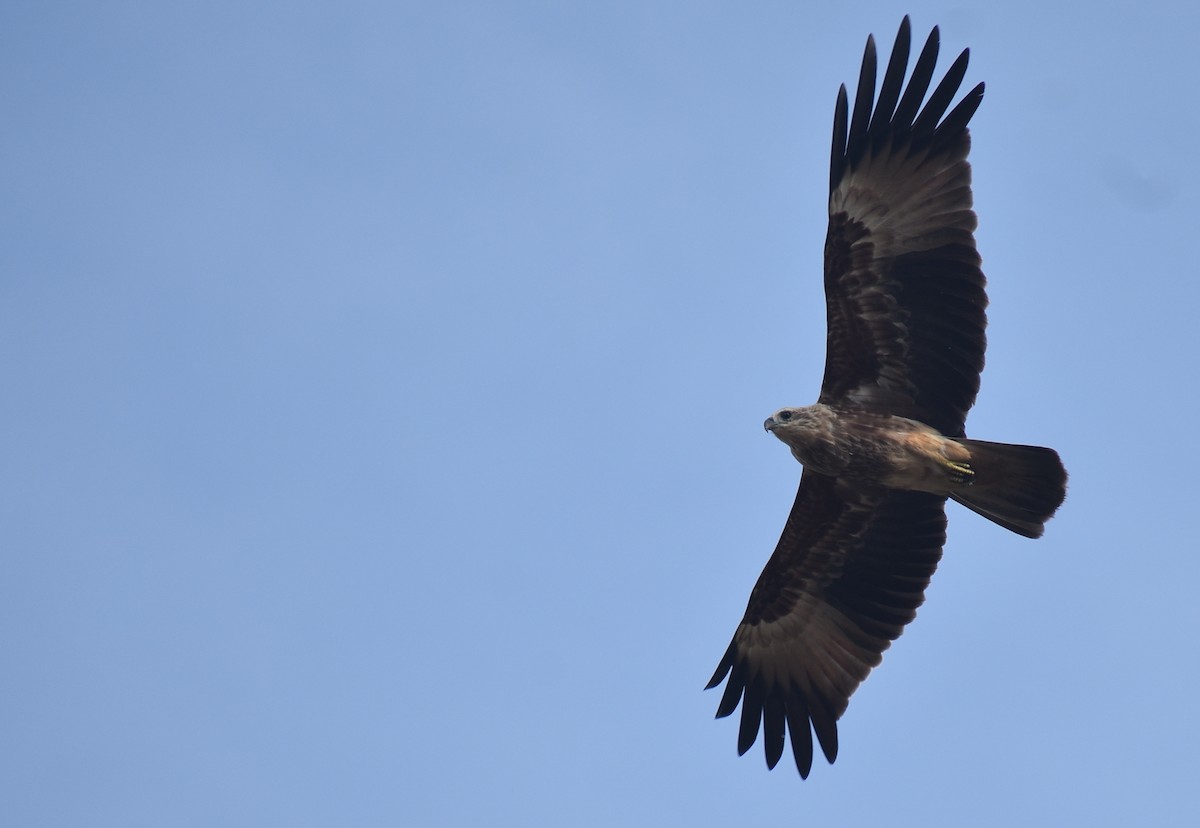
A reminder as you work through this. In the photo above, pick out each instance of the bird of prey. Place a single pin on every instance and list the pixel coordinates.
(884, 445)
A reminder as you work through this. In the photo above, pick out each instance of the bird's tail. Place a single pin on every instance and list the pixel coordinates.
(1018, 487)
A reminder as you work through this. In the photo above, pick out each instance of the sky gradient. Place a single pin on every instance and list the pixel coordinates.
(383, 388)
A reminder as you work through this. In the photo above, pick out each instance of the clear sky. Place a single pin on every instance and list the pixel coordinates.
(383, 388)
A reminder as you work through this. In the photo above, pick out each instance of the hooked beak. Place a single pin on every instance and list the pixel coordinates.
(769, 424)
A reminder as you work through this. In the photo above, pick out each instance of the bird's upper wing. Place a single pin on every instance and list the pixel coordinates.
(848, 573)
(904, 292)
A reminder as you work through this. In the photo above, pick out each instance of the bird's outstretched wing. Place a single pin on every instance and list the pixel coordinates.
(848, 573)
(904, 292)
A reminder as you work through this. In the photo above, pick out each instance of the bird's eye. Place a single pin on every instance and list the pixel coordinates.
(785, 415)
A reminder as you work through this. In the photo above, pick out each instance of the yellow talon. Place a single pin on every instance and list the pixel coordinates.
(959, 472)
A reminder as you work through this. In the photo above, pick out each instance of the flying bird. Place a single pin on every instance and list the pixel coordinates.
(884, 446)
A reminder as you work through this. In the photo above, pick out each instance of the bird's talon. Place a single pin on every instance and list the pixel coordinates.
(960, 472)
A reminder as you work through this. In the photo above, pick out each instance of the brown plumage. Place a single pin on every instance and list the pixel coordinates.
(884, 445)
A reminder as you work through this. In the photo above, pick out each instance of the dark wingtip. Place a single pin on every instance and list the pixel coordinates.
(825, 725)
(864, 102)
(893, 83)
(729, 699)
(897, 112)
(837, 153)
(750, 721)
(801, 735)
(723, 668)
(718, 677)
(774, 713)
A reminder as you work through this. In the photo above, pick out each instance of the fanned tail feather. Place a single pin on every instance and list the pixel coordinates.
(1018, 487)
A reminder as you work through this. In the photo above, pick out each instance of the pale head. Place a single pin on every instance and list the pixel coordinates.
(795, 420)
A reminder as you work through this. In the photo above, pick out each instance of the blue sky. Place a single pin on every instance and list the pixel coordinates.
(383, 388)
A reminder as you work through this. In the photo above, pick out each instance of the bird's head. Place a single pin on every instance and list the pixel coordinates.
(783, 418)
(793, 421)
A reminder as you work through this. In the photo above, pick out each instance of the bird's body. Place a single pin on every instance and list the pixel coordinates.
(872, 449)
(885, 445)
